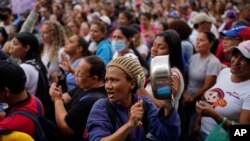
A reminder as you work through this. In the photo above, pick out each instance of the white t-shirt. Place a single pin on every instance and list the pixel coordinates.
(193, 36)
(130, 53)
(31, 76)
(54, 65)
(143, 49)
(235, 96)
(6, 27)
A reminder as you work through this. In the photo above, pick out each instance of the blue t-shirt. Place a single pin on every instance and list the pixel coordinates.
(104, 51)
(70, 78)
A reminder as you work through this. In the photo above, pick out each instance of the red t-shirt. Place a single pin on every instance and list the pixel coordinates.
(19, 122)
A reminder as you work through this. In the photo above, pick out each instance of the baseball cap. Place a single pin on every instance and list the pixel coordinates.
(244, 48)
(239, 31)
(229, 14)
(106, 19)
(174, 14)
(202, 17)
(78, 7)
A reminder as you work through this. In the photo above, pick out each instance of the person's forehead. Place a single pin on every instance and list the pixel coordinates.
(159, 40)
(44, 8)
(73, 38)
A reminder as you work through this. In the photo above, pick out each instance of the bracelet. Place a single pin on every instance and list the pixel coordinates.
(233, 122)
(223, 121)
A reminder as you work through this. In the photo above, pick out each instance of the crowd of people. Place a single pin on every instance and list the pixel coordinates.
(87, 63)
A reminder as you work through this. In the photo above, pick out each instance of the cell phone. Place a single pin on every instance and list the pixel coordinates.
(160, 77)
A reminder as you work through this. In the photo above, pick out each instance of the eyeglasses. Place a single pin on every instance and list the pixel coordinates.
(81, 75)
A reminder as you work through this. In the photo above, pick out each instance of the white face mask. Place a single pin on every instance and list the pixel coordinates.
(118, 45)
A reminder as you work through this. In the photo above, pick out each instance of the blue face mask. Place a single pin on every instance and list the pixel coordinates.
(118, 45)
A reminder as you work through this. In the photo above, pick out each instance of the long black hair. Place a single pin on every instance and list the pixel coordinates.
(26, 38)
(84, 44)
(212, 39)
(173, 40)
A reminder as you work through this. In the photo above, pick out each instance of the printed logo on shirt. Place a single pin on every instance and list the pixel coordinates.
(234, 94)
(215, 97)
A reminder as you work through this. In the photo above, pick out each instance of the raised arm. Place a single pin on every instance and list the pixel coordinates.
(29, 23)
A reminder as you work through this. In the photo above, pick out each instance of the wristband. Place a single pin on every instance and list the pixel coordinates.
(233, 122)
(224, 120)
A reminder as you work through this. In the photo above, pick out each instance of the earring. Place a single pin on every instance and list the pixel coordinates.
(132, 86)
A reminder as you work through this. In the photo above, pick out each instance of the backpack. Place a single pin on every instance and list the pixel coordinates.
(96, 95)
(42, 90)
(46, 130)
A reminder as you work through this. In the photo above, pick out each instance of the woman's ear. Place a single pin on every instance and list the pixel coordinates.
(79, 49)
(27, 48)
(95, 77)
(133, 83)
(6, 92)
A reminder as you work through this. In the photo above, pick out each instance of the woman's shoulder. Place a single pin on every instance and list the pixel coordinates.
(143, 47)
(29, 66)
(194, 57)
(104, 42)
(186, 43)
(176, 71)
(225, 71)
(214, 59)
(131, 54)
(102, 102)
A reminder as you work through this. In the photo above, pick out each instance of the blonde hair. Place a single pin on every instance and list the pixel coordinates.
(58, 36)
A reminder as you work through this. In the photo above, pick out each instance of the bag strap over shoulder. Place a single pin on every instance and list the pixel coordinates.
(112, 113)
(30, 115)
(34, 117)
(39, 107)
(97, 95)
(115, 118)
(34, 64)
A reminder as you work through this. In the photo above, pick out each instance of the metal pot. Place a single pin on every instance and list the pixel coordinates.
(160, 72)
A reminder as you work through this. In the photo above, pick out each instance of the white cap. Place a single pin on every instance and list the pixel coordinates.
(244, 48)
(105, 19)
(78, 7)
(202, 17)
